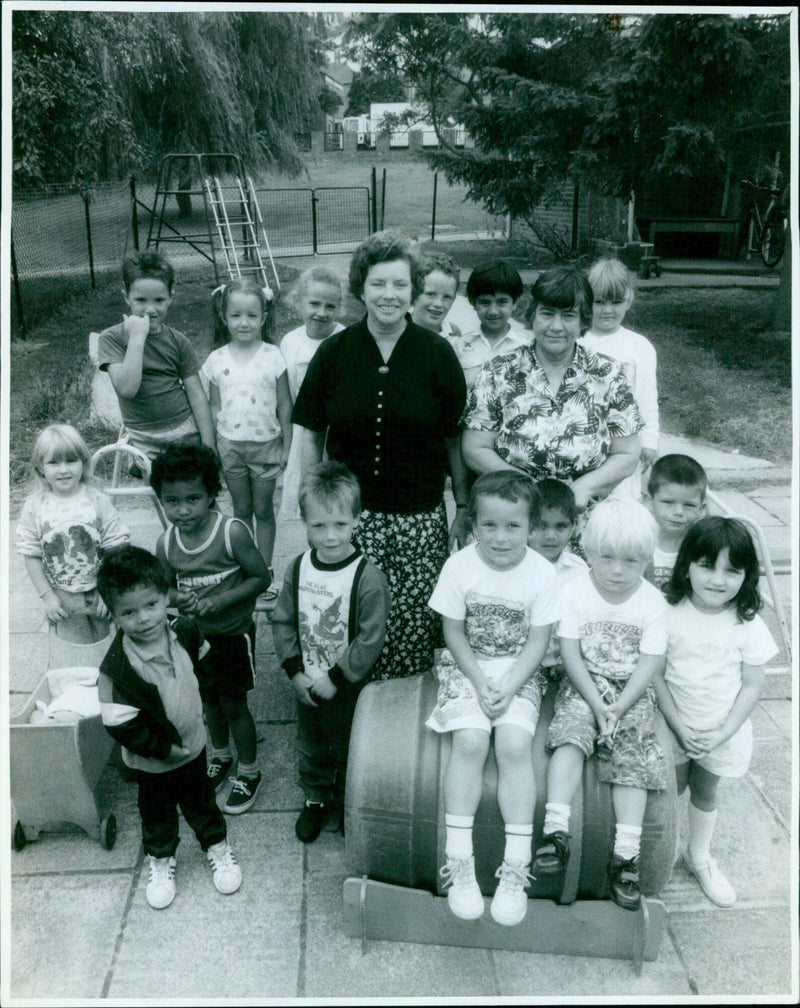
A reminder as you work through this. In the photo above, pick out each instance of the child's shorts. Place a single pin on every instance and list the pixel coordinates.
(636, 759)
(229, 665)
(82, 603)
(457, 702)
(259, 460)
(152, 443)
(731, 759)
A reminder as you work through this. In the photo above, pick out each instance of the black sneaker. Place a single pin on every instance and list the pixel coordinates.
(623, 880)
(243, 794)
(310, 821)
(218, 770)
(553, 854)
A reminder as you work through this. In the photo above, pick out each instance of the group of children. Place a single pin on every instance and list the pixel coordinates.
(519, 608)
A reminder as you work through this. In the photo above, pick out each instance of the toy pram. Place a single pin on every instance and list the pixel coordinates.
(56, 765)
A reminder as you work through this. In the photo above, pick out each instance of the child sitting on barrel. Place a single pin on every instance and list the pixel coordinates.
(498, 600)
(329, 626)
(613, 638)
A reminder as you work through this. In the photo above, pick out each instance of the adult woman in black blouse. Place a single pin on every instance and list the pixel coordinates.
(385, 396)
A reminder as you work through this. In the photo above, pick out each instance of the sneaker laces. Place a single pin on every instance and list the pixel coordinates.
(513, 877)
(161, 870)
(457, 873)
(222, 859)
(241, 786)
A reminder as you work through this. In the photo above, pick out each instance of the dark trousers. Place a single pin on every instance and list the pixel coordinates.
(160, 796)
(323, 737)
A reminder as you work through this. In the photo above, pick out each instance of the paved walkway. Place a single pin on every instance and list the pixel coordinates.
(81, 928)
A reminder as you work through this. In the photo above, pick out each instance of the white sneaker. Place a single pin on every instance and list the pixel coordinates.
(712, 881)
(227, 874)
(510, 902)
(463, 897)
(161, 884)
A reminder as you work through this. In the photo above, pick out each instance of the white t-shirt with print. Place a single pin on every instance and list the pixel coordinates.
(248, 393)
(568, 566)
(705, 653)
(498, 607)
(613, 635)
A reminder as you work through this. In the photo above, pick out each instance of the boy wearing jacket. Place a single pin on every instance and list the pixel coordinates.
(150, 703)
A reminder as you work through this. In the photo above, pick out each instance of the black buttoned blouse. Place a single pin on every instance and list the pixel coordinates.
(386, 422)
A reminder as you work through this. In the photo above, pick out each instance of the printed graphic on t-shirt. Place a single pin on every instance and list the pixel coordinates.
(495, 626)
(610, 649)
(323, 633)
(68, 555)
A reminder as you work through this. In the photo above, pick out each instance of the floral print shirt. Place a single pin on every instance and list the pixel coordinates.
(561, 433)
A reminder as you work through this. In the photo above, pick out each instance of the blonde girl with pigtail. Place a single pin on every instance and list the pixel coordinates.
(251, 407)
(66, 524)
(318, 298)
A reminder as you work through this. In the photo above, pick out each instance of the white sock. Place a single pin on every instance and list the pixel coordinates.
(627, 841)
(222, 754)
(701, 829)
(518, 842)
(556, 818)
(459, 836)
(249, 770)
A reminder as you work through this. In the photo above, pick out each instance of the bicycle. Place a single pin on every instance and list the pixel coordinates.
(768, 233)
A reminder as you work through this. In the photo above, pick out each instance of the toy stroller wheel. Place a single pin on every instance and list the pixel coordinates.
(108, 832)
(18, 838)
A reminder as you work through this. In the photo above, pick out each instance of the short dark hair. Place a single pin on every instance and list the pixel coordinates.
(558, 496)
(494, 277)
(183, 460)
(147, 265)
(680, 469)
(125, 568)
(703, 541)
(384, 246)
(509, 486)
(330, 483)
(563, 287)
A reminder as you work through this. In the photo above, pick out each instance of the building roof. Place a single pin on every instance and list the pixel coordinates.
(340, 72)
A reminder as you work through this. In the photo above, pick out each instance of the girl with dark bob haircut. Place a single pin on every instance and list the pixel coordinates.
(703, 543)
(385, 246)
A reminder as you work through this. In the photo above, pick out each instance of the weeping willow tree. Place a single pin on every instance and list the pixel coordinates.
(97, 95)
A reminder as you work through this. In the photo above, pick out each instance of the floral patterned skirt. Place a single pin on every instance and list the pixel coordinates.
(411, 550)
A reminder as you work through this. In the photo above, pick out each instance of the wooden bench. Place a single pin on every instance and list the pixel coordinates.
(694, 225)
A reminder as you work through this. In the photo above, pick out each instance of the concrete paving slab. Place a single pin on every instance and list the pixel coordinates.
(553, 976)
(771, 775)
(386, 969)
(63, 929)
(185, 951)
(27, 663)
(752, 952)
(780, 713)
(272, 699)
(745, 505)
(709, 456)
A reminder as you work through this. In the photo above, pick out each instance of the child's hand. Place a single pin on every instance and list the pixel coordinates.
(323, 689)
(186, 602)
(136, 326)
(607, 721)
(53, 609)
(301, 684)
(646, 458)
(459, 530)
(209, 606)
(101, 609)
(176, 753)
(284, 460)
(704, 741)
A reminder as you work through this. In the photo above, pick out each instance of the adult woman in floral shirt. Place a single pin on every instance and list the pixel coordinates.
(552, 408)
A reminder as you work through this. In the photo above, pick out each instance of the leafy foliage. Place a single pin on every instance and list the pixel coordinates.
(99, 94)
(624, 102)
(368, 87)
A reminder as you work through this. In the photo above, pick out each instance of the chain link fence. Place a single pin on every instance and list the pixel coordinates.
(65, 240)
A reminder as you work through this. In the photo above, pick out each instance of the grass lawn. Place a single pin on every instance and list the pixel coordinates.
(722, 377)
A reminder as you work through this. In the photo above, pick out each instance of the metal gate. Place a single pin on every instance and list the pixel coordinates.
(315, 221)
